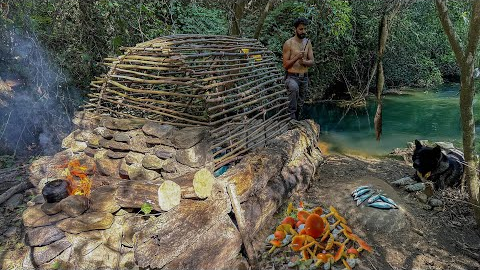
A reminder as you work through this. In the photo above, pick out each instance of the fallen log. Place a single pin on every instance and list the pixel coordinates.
(195, 185)
(14, 190)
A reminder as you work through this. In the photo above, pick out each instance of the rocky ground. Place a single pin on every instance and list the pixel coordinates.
(412, 237)
(12, 248)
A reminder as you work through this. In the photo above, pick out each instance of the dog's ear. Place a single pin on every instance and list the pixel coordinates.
(437, 151)
(418, 145)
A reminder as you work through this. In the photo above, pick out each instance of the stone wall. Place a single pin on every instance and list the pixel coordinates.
(128, 161)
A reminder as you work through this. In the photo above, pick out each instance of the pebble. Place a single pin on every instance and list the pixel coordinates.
(14, 201)
(435, 202)
(422, 197)
(415, 187)
(10, 232)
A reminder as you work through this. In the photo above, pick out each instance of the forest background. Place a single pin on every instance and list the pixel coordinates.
(76, 35)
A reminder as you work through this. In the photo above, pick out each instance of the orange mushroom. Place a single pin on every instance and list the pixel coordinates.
(275, 243)
(363, 244)
(339, 253)
(352, 253)
(332, 211)
(305, 254)
(279, 235)
(345, 227)
(330, 241)
(289, 220)
(318, 211)
(287, 228)
(289, 208)
(324, 258)
(302, 215)
(326, 231)
(299, 223)
(340, 218)
(297, 242)
(314, 226)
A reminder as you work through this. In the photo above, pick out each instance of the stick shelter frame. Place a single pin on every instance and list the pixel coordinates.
(232, 85)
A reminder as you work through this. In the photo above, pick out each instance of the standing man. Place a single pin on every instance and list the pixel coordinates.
(297, 58)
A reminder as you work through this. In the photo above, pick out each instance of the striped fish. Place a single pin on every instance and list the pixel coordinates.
(358, 189)
(388, 200)
(374, 198)
(364, 197)
(382, 205)
(360, 193)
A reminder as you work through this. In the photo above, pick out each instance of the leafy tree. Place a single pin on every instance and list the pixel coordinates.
(465, 55)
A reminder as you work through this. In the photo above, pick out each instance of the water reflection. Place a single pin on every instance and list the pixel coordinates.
(430, 114)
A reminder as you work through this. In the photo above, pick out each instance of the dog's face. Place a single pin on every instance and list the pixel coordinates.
(425, 159)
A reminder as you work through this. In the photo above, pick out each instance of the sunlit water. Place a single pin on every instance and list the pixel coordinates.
(429, 114)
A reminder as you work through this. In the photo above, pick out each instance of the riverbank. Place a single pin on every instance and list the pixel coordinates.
(445, 238)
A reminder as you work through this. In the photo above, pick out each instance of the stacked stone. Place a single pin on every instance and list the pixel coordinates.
(128, 161)
(133, 162)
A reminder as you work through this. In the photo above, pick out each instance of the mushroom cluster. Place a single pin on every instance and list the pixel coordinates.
(322, 237)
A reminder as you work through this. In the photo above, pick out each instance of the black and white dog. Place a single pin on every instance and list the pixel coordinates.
(444, 167)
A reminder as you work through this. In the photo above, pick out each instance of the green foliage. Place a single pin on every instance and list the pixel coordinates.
(56, 265)
(330, 25)
(194, 19)
(77, 35)
(146, 208)
(416, 48)
(6, 161)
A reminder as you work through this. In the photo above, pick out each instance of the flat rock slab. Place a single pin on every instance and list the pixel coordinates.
(156, 129)
(218, 247)
(86, 222)
(195, 224)
(188, 137)
(42, 236)
(133, 194)
(123, 124)
(102, 199)
(47, 253)
(35, 217)
(372, 219)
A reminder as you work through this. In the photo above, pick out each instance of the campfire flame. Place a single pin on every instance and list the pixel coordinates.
(74, 171)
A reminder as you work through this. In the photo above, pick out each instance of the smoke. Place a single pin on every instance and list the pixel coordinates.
(36, 116)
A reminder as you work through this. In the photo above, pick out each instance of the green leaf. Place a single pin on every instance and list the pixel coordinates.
(56, 265)
(146, 208)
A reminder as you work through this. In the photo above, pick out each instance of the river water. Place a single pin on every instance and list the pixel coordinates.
(426, 114)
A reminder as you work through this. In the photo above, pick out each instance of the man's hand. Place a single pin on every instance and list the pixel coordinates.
(300, 55)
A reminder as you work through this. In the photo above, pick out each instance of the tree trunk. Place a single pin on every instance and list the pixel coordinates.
(467, 92)
(382, 41)
(87, 32)
(465, 60)
(261, 20)
(238, 8)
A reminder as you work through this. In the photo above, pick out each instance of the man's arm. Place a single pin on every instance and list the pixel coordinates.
(309, 61)
(288, 63)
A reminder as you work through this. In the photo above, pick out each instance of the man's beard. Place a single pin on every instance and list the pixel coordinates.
(301, 36)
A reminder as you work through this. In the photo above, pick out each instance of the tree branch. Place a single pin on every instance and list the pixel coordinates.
(474, 30)
(449, 30)
(261, 20)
